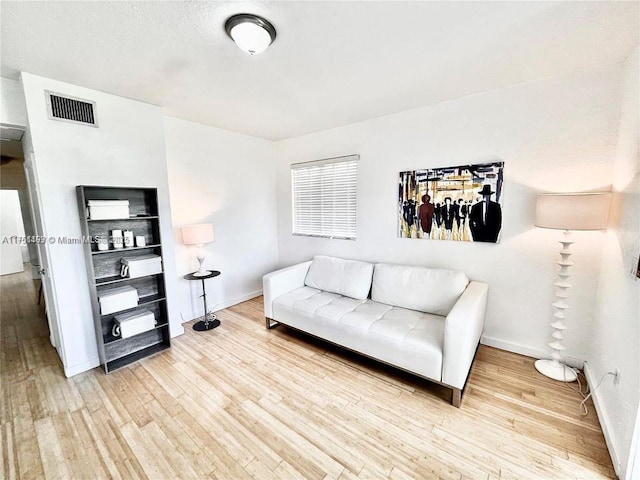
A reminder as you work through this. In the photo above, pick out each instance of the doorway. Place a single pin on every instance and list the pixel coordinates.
(17, 221)
(21, 270)
(13, 244)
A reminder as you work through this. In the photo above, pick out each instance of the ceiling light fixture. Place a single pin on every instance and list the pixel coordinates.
(252, 33)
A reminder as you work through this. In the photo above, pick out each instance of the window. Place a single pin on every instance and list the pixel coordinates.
(324, 197)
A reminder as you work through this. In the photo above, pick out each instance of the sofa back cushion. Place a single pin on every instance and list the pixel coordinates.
(350, 278)
(429, 290)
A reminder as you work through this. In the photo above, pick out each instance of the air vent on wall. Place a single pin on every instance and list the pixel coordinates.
(71, 109)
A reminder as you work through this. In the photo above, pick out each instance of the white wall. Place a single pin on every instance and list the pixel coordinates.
(616, 330)
(227, 179)
(12, 107)
(126, 150)
(553, 135)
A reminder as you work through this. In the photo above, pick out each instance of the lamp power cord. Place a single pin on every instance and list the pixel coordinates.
(588, 392)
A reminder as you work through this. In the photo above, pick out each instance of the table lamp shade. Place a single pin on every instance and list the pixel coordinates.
(573, 211)
(197, 234)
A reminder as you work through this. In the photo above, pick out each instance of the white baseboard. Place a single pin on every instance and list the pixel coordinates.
(176, 330)
(81, 367)
(226, 303)
(605, 423)
(526, 351)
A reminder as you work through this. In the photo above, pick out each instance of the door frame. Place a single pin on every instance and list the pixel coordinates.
(48, 282)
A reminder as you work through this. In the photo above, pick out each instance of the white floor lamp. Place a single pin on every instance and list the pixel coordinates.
(567, 211)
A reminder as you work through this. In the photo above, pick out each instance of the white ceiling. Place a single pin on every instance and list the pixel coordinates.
(333, 63)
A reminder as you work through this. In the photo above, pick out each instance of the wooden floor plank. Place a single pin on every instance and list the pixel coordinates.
(52, 456)
(241, 401)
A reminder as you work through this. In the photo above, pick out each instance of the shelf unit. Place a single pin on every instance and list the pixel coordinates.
(103, 271)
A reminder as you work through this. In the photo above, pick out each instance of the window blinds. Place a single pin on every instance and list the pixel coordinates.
(324, 197)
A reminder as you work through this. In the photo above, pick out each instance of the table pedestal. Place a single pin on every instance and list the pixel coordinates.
(203, 325)
(210, 321)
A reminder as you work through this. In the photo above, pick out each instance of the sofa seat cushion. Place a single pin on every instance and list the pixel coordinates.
(429, 290)
(351, 278)
(405, 338)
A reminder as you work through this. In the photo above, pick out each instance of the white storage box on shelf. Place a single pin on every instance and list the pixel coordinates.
(108, 209)
(132, 323)
(117, 299)
(141, 266)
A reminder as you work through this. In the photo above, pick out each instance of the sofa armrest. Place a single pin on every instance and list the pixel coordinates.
(462, 332)
(280, 282)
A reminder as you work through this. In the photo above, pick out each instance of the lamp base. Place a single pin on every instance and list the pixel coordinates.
(209, 323)
(556, 370)
(201, 274)
(201, 326)
(201, 270)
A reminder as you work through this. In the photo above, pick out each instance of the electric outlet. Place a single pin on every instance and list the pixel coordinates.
(616, 377)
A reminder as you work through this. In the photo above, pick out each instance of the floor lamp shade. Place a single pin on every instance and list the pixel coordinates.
(198, 235)
(573, 211)
(567, 211)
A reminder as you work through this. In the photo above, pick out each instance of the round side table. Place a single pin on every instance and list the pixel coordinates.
(210, 321)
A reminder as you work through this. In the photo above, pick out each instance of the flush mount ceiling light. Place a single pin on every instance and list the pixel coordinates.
(252, 33)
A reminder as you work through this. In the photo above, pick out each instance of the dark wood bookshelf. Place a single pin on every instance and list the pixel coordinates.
(103, 267)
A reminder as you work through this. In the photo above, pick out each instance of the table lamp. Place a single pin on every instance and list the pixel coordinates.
(198, 235)
(567, 211)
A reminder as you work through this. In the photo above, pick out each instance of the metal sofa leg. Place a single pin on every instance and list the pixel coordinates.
(271, 323)
(456, 397)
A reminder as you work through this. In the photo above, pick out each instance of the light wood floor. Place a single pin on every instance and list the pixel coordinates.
(243, 402)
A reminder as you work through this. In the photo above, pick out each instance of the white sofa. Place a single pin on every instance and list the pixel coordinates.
(426, 321)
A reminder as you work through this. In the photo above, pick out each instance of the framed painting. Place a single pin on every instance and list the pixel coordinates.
(462, 203)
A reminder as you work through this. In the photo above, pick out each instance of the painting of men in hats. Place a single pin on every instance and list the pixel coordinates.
(462, 203)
